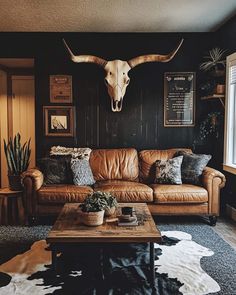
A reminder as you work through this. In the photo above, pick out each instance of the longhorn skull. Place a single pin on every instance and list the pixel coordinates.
(117, 78)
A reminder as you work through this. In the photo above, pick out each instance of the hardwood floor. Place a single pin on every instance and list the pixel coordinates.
(226, 228)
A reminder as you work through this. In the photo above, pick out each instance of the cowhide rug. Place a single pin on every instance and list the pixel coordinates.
(178, 270)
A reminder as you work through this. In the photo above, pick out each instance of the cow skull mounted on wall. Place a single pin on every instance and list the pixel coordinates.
(117, 78)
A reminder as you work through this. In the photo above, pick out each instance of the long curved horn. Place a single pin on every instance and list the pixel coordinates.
(85, 58)
(153, 57)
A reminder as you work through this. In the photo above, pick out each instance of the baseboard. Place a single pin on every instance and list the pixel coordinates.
(231, 212)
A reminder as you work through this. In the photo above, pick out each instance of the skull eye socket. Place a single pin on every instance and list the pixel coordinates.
(106, 81)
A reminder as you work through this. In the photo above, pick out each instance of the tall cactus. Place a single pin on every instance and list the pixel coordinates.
(17, 156)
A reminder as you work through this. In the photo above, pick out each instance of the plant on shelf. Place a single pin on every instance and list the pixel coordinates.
(93, 209)
(215, 62)
(213, 69)
(18, 158)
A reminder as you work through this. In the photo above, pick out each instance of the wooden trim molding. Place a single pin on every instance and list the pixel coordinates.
(229, 169)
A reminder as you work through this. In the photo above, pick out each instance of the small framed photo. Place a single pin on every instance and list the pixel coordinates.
(60, 89)
(59, 120)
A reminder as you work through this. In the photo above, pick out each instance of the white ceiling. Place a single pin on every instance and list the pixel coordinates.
(114, 15)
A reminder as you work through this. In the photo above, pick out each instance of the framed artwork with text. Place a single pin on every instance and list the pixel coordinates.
(59, 120)
(60, 89)
(179, 99)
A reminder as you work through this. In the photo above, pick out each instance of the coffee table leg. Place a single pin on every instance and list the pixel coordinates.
(54, 260)
(152, 267)
(102, 263)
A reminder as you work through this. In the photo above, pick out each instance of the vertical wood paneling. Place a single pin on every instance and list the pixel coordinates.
(23, 110)
(3, 127)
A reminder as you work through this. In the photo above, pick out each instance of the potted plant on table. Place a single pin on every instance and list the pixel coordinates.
(17, 157)
(111, 204)
(93, 208)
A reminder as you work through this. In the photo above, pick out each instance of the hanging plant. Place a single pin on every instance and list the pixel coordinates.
(210, 127)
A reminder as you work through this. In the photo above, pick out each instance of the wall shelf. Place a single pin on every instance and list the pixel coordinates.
(221, 97)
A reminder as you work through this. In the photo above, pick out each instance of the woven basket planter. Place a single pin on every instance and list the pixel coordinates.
(92, 218)
(110, 211)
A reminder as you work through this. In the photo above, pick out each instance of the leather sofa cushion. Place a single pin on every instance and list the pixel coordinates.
(147, 159)
(126, 191)
(184, 193)
(119, 164)
(63, 193)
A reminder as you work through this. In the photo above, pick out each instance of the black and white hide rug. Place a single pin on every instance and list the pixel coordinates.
(183, 266)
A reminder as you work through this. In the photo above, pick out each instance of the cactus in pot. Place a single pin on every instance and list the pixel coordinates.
(18, 158)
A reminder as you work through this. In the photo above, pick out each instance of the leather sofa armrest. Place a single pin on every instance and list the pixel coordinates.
(36, 177)
(32, 181)
(208, 175)
(213, 180)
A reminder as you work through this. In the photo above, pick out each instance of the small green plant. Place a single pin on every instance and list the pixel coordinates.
(17, 156)
(98, 201)
(94, 202)
(111, 200)
(215, 60)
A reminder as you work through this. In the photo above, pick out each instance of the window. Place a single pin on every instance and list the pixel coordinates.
(230, 115)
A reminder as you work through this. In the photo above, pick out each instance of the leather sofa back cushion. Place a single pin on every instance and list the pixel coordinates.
(147, 159)
(109, 164)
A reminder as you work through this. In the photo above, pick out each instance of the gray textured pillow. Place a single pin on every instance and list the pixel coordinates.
(169, 171)
(192, 166)
(82, 173)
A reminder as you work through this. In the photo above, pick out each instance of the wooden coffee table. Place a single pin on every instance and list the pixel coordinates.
(68, 230)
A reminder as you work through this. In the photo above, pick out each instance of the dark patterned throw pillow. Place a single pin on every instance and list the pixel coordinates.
(169, 172)
(56, 170)
(192, 166)
(82, 173)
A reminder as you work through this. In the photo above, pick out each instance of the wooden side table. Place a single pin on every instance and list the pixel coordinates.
(11, 207)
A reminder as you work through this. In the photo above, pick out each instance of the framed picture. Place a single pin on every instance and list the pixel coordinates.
(61, 89)
(179, 99)
(59, 120)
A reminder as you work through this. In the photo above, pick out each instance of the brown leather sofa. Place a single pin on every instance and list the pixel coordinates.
(129, 176)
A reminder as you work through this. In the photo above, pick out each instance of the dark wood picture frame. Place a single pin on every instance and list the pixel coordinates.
(59, 120)
(179, 99)
(60, 88)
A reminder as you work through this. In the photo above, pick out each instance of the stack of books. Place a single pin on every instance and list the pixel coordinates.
(127, 220)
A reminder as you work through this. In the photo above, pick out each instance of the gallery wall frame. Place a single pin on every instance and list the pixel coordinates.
(59, 121)
(61, 89)
(179, 99)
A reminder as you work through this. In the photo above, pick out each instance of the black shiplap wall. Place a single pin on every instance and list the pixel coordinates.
(140, 124)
